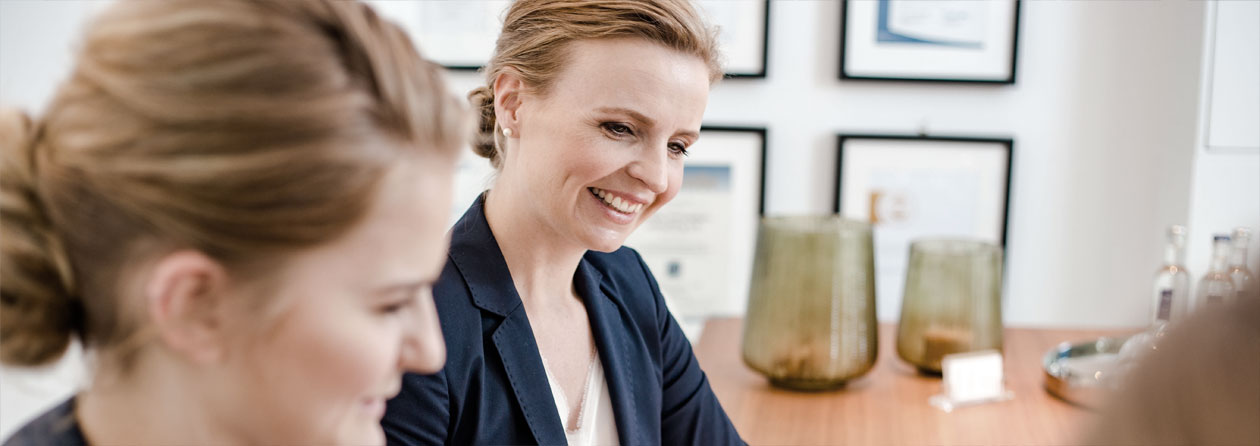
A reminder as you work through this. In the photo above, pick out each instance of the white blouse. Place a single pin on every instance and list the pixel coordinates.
(595, 423)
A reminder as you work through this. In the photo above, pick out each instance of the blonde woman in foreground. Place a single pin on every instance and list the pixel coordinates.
(237, 206)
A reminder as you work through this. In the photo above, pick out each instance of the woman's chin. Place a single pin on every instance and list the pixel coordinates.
(606, 240)
(606, 248)
(366, 435)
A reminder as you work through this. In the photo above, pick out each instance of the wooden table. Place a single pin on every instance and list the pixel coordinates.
(890, 404)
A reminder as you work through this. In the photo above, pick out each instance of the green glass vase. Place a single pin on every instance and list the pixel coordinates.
(811, 322)
(952, 301)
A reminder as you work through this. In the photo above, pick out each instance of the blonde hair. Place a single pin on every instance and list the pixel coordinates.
(536, 33)
(245, 130)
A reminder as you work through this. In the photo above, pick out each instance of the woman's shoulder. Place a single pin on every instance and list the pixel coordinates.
(627, 279)
(56, 427)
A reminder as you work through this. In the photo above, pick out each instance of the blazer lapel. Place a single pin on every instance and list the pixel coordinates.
(611, 329)
(476, 254)
(514, 340)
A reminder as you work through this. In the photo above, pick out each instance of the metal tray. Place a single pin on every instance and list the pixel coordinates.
(1084, 373)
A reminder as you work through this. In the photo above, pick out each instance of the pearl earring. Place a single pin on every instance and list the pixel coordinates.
(507, 132)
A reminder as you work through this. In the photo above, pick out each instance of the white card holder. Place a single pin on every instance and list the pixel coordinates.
(971, 378)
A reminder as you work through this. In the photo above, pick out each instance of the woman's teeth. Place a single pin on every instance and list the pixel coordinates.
(616, 202)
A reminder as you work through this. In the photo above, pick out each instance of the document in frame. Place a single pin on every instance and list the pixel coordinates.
(687, 242)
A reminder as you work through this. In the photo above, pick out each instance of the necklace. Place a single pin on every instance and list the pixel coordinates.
(586, 391)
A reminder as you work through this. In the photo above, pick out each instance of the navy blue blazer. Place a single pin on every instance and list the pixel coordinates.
(56, 427)
(493, 389)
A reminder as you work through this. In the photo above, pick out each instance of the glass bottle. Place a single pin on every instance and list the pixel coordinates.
(1215, 287)
(1172, 281)
(1238, 273)
(1172, 293)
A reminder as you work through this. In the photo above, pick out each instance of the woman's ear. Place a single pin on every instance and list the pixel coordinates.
(509, 90)
(186, 299)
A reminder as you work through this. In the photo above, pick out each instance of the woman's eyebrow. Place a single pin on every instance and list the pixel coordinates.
(643, 119)
(407, 287)
(635, 115)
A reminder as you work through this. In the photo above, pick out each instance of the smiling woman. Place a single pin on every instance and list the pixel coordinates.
(243, 231)
(604, 149)
(557, 333)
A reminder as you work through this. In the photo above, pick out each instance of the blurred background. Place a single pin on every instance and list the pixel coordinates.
(1126, 117)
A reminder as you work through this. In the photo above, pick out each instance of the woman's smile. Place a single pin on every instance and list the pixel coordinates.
(621, 203)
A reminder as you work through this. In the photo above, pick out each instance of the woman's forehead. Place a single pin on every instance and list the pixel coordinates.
(634, 74)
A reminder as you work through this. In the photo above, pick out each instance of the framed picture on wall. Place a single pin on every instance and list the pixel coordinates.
(933, 41)
(700, 245)
(459, 35)
(912, 187)
(743, 34)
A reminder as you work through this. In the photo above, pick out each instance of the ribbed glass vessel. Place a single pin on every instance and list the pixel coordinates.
(952, 301)
(811, 304)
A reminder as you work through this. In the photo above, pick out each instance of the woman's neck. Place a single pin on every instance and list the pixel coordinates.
(542, 262)
(148, 406)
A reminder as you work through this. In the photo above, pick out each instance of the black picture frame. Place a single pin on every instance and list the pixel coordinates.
(1007, 144)
(846, 71)
(761, 71)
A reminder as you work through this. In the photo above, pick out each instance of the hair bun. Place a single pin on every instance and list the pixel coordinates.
(484, 145)
(37, 307)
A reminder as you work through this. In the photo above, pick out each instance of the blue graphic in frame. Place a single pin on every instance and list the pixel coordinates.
(884, 33)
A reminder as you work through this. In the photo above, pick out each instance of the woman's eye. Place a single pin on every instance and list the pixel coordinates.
(678, 149)
(395, 308)
(617, 128)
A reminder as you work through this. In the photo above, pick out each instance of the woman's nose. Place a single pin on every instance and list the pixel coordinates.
(423, 348)
(652, 168)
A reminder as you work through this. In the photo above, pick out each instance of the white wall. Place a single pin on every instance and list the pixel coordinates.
(1226, 185)
(36, 42)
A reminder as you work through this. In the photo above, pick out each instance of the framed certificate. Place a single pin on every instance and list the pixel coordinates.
(935, 41)
(743, 34)
(459, 35)
(700, 245)
(911, 187)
